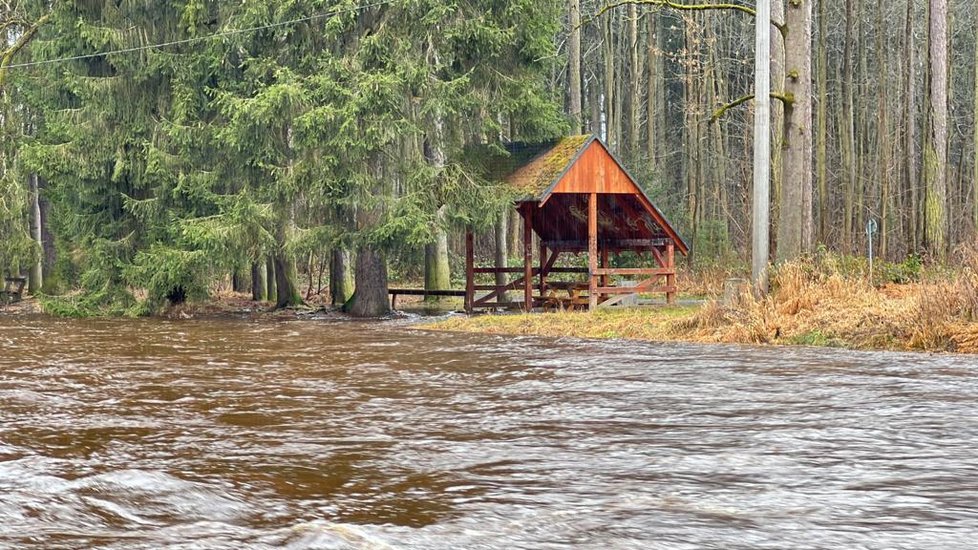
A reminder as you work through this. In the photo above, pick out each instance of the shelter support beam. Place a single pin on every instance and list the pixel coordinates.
(671, 277)
(528, 257)
(592, 250)
(469, 271)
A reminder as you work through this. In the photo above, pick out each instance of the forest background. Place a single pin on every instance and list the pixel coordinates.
(265, 141)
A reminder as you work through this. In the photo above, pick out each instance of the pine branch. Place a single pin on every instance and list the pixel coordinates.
(787, 100)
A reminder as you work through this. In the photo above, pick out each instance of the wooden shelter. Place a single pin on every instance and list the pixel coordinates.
(577, 197)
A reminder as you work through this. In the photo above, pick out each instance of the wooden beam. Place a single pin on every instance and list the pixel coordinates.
(469, 270)
(636, 271)
(635, 289)
(671, 277)
(543, 266)
(604, 266)
(528, 257)
(592, 250)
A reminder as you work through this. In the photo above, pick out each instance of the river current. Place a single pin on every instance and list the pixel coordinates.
(323, 434)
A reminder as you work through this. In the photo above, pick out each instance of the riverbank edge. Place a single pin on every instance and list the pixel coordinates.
(675, 325)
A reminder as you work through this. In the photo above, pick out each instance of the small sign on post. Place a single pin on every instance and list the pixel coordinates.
(871, 229)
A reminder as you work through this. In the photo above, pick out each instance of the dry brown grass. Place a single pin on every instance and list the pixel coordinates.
(811, 303)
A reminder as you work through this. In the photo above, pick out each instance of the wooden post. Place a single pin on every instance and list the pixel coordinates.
(604, 264)
(592, 251)
(671, 277)
(543, 266)
(469, 271)
(528, 257)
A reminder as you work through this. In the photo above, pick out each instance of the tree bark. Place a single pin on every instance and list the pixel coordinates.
(340, 277)
(635, 82)
(287, 294)
(821, 163)
(574, 65)
(974, 181)
(778, 138)
(370, 297)
(652, 96)
(795, 227)
(502, 253)
(36, 274)
(609, 84)
(270, 294)
(935, 141)
(257, 282)
(437, 275)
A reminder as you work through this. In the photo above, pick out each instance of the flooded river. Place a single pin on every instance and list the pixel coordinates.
(306, 434)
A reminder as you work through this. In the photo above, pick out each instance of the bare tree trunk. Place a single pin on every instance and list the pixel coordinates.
(821, 164)
(635, 91)
(502, 254)
(257, 282)
(935, 141)
(340, 277)
(35, 277)
(611, 131)
(652, 100)
(848, 126)
(574, 65)
(370, 297)
(974, 182)
(778, 142)
(437, 275)
(883, 138)
(910, 152)
(795, 228)
(270, 294)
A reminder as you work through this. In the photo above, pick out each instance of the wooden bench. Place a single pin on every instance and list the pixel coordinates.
(13, 290)
(395, 292)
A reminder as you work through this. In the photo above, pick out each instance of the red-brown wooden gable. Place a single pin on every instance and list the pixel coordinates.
(596, 171)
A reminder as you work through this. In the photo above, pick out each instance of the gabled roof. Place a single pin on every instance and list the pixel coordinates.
(535, 171)
(543, 164)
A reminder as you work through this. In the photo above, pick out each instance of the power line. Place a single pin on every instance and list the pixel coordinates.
(203, 38)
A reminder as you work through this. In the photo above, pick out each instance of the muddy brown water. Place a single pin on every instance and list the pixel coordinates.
(316, 434)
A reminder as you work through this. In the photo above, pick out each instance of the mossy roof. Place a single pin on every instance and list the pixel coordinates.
(537, 167)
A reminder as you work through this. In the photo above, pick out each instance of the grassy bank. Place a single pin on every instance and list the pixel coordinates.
(811, 303)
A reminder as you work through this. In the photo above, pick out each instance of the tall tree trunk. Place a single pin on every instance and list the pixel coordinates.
(287, 294)
(437, 275)
(36, 274)
(340, 277)
(848, 126)
(257, 282)
(370, 297)
(778, 142)
(883, 138)
(270, 294)
(974, 182)
(910, 141)
(608, 49)
(935, 141)
(574, 65)
(652, 96)
(821, 163)
(502, 254)
(795, 227)
(635, 83)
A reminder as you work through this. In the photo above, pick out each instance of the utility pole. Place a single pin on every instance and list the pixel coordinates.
(760, 241)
